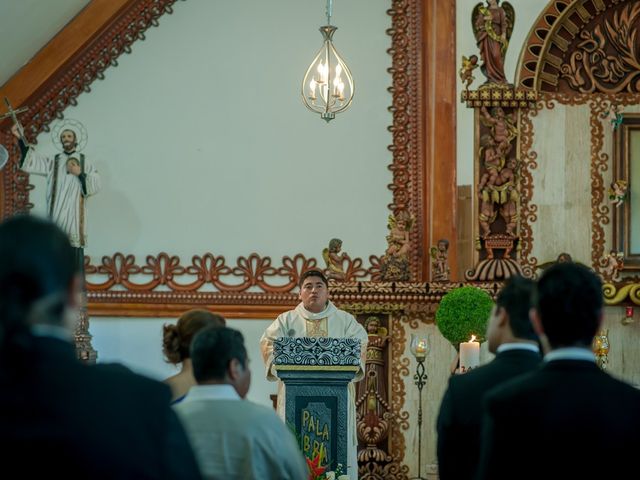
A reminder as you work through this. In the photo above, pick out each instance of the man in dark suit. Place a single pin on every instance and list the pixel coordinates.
(58, 417)
(568, 419)
(512, 339)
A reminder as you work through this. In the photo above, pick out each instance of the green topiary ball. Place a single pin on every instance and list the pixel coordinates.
(464, 312)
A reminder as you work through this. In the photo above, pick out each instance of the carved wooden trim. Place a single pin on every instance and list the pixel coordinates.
(15, 183)
(622, 171)
(584, 46)
(399, 369)
(419, 300)
(209, 270)
(599, 163)
(406, 108)
(528, 210)
(627, 292)
(33, 77)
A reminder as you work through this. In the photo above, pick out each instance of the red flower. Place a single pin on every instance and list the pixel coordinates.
(315, 470)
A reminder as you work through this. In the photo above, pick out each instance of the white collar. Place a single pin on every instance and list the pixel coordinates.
(518, 346)
(212, 392)
(306, 314)
(570, 353)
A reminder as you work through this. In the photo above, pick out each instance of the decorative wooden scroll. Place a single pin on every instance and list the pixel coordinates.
(583, 46)
(209, 270)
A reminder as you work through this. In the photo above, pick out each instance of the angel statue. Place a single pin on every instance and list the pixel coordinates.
(618, 192)
(334, 260)
(612, 265)
(394, 264)
(492, 26)
(439, 265)
(614, 115)
(398, 238)
(466, 71)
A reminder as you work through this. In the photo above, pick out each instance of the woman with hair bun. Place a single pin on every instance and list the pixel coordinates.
(176, 341)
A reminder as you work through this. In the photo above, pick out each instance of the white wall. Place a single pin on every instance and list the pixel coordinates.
(527, 11)
(204, 144)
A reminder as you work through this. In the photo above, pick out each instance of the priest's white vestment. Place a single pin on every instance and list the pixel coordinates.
(330, 322)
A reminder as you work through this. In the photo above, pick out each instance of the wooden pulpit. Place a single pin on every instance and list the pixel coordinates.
(316, 373)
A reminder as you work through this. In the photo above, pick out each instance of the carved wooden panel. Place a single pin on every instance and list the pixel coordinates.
(583, 46)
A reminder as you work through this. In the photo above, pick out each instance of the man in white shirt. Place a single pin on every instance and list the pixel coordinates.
(317, 316)
(234, 439)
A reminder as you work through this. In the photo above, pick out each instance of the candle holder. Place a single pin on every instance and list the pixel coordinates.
(419, 349)
(628, 316)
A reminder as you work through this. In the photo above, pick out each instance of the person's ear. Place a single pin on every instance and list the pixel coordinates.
(502, 317)
(536, 323)
(534, 318)
(235, 369)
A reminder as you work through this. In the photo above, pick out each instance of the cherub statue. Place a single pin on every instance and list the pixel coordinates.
(466, 71)
(492, 26)
(439, 266)
(394, 264)
(493, 160)
(618, 192)
(503, 127)
(398, 238)
(614, 115)
(612, 264)
(508, 195)
(334, 260)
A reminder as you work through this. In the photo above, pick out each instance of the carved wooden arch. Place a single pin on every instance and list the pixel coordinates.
(582, 46)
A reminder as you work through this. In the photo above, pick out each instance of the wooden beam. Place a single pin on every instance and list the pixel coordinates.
(439, 85)
(84, 28)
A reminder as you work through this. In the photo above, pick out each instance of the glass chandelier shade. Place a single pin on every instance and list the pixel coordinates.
(327, 87)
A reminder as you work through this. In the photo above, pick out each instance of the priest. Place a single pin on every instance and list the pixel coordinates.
(317, 316)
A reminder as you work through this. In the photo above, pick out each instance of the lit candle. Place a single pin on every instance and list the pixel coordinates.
(312, 87)
(469, 354)
(419, 346)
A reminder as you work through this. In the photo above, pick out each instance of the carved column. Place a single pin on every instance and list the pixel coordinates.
(497, 180)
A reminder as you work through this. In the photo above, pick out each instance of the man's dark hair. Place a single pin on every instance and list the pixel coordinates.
(569, 302)
(212, 349)
(313, 273)
(515, 298)
(36, 261)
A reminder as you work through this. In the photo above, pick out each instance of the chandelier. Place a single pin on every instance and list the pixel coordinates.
(327, 87)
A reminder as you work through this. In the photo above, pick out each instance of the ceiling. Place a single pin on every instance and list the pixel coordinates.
(27, 25)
